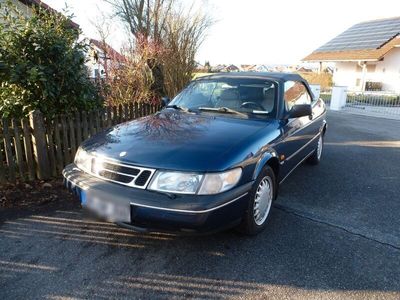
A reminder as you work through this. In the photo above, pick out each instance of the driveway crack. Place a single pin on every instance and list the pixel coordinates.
(301, 214)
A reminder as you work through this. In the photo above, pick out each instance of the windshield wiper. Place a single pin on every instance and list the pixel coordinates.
(177, 107)
(222, 110)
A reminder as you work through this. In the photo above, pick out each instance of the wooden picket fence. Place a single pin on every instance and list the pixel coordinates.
(39, 148)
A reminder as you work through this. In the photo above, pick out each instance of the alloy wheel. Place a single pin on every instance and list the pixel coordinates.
(319, 147)
(263, 200)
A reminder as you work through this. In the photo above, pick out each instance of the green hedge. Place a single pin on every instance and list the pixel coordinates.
(42, 65)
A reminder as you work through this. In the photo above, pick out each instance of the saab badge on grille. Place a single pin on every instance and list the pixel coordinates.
(122, 154)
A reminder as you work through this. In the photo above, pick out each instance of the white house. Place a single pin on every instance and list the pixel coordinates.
(262, 68)
(103, 59)
(366, 56)
(27, 6)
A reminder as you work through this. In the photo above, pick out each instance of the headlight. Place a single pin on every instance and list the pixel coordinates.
(220, 182)
(83, 160)
(192, 183)
(176, 182)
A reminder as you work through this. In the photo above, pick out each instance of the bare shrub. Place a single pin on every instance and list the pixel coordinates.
(131, 79)
(323, 79)
(160, 54)
(183, 36)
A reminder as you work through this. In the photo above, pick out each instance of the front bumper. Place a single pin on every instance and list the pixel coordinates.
(156, 211)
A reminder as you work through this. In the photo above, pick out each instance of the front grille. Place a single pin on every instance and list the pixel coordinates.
(121, 169)
(115, 176)
(121, 173)
(142, 178)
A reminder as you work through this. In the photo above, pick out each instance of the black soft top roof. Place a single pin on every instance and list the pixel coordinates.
(266, 75)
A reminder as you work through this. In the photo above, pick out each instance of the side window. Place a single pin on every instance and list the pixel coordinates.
(295, 93)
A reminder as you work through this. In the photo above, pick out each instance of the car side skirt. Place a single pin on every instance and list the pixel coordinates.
(294, 168)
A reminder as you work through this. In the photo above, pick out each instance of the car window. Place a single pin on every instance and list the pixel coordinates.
(246, 95)
(295, 93)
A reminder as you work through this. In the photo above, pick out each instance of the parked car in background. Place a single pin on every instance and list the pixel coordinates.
(212, 159)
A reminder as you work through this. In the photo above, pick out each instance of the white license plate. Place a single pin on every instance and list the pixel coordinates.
(108, 209)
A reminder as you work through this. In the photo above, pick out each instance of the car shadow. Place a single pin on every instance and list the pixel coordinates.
(333, 234)
(100, 260)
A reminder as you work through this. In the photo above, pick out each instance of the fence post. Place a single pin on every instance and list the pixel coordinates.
(339, 95)
(39, 145)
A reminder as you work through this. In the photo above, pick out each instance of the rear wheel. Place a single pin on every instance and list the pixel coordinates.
(315, 158)
(260, 203)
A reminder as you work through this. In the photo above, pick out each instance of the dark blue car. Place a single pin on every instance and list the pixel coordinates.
(213, 158)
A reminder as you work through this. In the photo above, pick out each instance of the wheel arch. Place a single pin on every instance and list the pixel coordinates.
(268, 158)
(324, 127)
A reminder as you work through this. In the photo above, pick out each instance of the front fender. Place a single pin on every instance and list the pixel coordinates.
(324, 126)
(264, 158)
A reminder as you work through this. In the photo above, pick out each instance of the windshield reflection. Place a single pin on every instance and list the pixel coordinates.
(243, 95)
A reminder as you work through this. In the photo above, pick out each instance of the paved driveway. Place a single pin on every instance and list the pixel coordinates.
(334, 234)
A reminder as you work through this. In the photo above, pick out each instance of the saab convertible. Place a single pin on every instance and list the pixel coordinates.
(212, 158)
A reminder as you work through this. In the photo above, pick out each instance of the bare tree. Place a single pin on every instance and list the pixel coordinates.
(143, 17)
(183, 35)
(166, 37)
(102, 25)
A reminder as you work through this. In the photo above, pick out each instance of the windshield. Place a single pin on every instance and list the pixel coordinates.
(251, 96)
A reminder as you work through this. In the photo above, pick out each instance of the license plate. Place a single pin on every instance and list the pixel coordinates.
(108, 209)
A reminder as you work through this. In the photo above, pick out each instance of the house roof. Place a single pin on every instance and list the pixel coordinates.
(232, 67)
(367, 41)
(111, 52)
(39, 3)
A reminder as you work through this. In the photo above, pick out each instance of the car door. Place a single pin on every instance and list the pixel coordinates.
(298, 133)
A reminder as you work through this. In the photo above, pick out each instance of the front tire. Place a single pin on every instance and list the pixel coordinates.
(261, 197)
(315, 158)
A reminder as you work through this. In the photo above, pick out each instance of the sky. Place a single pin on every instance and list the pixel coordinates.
(256, 31)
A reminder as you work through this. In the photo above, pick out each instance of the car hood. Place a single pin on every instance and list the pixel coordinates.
(178, 140)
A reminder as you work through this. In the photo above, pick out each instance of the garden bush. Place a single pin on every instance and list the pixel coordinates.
(42, 64)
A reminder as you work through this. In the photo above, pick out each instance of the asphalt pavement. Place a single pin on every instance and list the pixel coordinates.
(334, 233)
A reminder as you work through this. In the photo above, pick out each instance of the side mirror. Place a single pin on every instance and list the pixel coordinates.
(300, 110)
(165, 101)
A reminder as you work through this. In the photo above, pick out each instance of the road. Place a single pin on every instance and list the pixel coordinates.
(333, 234)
